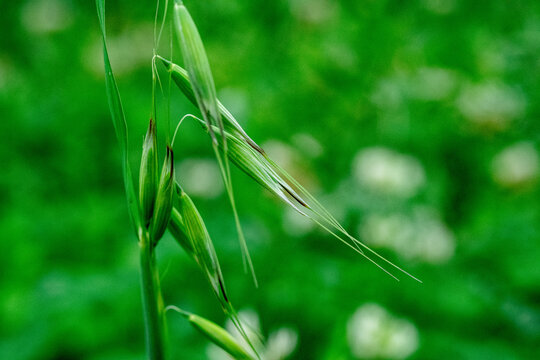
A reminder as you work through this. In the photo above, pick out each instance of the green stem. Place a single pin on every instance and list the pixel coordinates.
(153, 305)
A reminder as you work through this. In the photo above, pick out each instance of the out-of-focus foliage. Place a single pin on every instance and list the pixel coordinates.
(416, 122)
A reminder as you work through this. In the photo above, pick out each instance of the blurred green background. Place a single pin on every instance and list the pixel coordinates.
(416, 123)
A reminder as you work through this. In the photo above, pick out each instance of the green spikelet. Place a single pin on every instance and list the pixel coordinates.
(197, 66)
(200, 246)
(217, 335)
(181, 79)
(148, 175)
(164, 198)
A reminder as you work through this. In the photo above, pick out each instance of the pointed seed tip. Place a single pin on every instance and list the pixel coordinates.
(294, 196)
(168, 64)
(223, 290)
(171, 154)
(184, 313)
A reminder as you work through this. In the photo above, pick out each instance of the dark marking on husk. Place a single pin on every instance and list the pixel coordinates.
(294, 196)
(254, 145)
(171, 154)
(223, 290)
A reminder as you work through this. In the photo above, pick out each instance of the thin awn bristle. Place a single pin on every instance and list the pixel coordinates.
(359, 251)
(334, 223)
(259, 162)
(162, 26)
(246, 258)
(258, 165)
(180, 123)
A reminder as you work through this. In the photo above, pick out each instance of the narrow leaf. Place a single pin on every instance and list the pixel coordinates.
(120, 125)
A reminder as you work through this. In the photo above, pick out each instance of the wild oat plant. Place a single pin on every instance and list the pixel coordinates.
(160, 203)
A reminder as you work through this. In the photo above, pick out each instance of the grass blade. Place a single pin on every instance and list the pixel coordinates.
(120, 125)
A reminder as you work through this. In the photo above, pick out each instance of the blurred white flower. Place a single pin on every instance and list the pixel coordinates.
(340, 53)
(440, 7)
(293, 162)
(296, 224)
(128, 51)
(388, 94)
(432, 83)
(516, 165)
(386, 171)
(307, 144)
(374, 333)
(491, 104)
(200, 177)
(4, 73)
(313, 11)
(426, 83)
(235, 101)
(390, 98)
(280, 344)
(494, 55)
(281, 153)
(46, 16)
(420, 236)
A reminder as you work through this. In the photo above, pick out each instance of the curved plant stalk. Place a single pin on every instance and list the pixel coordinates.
(153, 305)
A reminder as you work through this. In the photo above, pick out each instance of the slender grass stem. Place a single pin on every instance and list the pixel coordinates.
(153, 305)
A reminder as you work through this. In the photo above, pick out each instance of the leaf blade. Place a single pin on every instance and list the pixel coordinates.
(120, 125)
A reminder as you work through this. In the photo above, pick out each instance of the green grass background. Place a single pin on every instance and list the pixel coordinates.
(351, 75)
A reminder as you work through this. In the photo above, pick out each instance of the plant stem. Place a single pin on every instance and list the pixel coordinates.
(153, 305)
